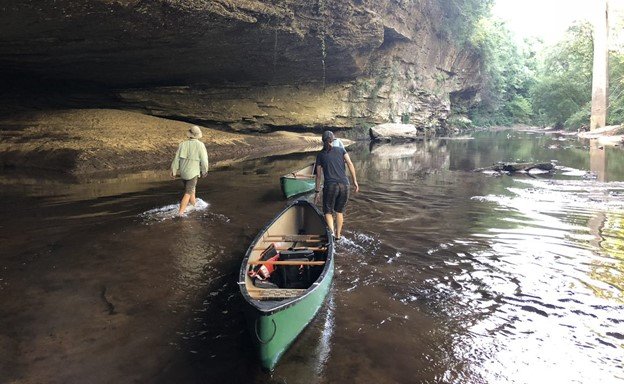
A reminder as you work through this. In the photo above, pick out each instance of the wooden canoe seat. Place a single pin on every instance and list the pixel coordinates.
(275, 294)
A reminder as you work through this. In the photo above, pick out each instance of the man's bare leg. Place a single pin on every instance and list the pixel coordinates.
(192, 198)
(184, 203)
(339, 221)
(330, 221)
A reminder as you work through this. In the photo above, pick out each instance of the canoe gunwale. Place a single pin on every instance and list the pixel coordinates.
(293, 177)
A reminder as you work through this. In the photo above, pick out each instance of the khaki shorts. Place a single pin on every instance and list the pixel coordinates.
(189, 185)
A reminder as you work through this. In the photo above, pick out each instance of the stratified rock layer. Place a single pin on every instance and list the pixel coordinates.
(89, 141)
(250, 65)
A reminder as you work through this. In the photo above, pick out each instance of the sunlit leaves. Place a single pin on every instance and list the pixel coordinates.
(563, 84)
(509, 72)
(461, 16)
(562, 94)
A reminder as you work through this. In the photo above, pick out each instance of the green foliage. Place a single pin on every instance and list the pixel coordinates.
(580, 117)
(555, 88)
(481, 118)
(563, 84)
(405, 118)
(509, 73)
(563, 91)
(519, 109)
(461, 16)
(460, 122)
(555, 99)
(616, 89)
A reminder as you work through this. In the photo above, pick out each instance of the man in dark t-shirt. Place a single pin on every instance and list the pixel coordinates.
(332, 162)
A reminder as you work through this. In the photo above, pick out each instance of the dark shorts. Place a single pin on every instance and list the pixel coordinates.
(335, 197)
(189, 185)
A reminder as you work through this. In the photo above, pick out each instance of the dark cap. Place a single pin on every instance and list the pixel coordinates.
(328, 136)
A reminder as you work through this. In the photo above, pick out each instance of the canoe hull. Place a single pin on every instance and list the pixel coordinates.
(293, 187)
(274, 333)
(299, 182)
(276, 315)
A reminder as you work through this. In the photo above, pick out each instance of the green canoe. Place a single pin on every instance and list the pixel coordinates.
(301, 181)
(280, 307)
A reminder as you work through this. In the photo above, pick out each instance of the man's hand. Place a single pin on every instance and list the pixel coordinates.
(356, 187)
(172, 175)
(317, 197)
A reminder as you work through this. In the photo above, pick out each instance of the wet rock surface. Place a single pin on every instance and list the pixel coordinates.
(100, 140)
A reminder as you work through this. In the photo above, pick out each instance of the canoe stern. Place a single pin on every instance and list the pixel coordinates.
(292, 187)
(274, 332)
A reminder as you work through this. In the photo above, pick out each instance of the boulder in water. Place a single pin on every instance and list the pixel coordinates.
(394, 131)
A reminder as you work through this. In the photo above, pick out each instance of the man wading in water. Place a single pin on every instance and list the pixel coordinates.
(331, 161)
(191, 160)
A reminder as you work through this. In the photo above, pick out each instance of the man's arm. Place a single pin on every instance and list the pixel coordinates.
(347, 160)
(175, 163)
(317, 186)
(203, 163)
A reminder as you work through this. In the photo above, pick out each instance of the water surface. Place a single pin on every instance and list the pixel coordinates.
(444, 275)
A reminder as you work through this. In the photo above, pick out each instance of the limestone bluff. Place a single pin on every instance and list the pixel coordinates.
(241, 66)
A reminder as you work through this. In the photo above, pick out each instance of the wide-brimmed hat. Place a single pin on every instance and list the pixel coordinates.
(328, 136)
(194, 132)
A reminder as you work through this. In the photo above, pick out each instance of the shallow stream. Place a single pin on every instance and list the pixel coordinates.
(444, 275)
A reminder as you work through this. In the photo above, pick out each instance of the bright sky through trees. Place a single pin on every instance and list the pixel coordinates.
(546, 19)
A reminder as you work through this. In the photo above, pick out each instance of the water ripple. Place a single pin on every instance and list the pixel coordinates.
(169, 212)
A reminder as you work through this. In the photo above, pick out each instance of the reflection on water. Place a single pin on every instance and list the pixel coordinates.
(524, 276)
(598, 160)
(67, 188)
(566, 290)
(308, 357)
(443, 275)
(398, 161)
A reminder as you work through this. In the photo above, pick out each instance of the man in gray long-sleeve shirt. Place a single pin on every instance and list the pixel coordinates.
(191, 161)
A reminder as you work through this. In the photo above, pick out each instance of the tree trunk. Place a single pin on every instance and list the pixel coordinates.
(600, 79)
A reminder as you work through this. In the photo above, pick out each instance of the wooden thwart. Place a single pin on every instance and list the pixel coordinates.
(287, 262)
(322, 249)
(317, 238)
(268, 294)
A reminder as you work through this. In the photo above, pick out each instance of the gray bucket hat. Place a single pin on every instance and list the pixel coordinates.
(194, 132)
